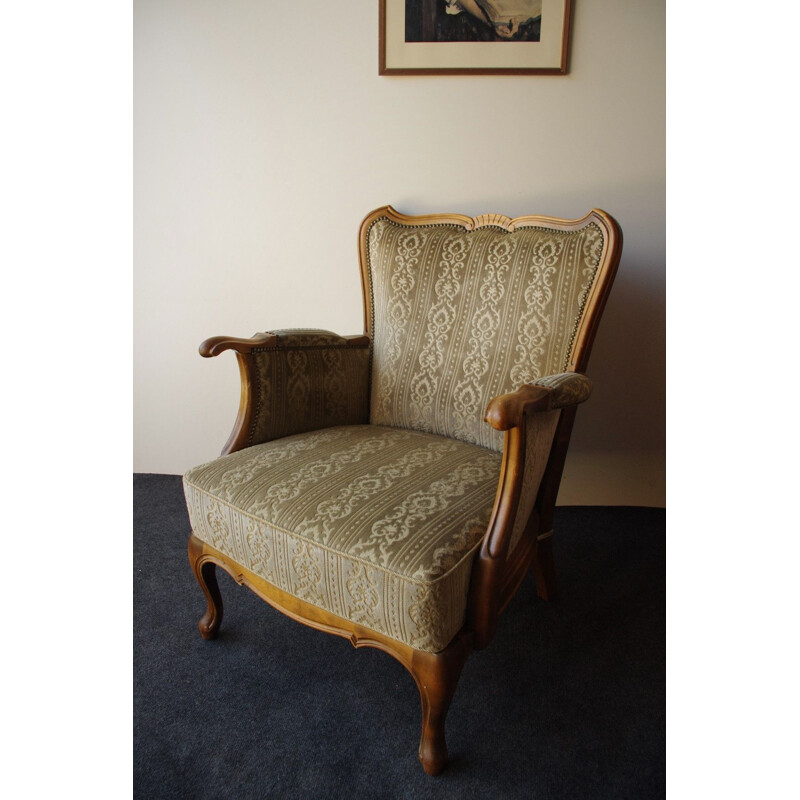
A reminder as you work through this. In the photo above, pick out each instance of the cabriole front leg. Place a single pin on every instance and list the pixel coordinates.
(205, 571)
(437, 676)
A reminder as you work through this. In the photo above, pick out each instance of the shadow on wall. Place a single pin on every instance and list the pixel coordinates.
(628, 407)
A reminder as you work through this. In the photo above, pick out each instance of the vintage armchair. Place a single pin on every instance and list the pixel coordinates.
(394, 487)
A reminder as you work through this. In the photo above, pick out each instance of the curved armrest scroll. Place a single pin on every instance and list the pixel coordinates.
(283, 338)
(219, 344)
(507, 411)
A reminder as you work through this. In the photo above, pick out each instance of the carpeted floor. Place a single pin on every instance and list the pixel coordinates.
(567, 701)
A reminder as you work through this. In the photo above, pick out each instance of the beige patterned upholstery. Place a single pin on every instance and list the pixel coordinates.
(460, 317)
(308, 379)
(374, 524)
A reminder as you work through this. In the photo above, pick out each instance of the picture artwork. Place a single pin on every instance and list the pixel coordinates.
(473, 37)
(473, 20)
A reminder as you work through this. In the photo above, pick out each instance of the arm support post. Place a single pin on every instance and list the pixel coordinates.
(530, 419)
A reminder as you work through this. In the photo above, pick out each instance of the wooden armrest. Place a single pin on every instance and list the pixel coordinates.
(507, 411)
(219, 344)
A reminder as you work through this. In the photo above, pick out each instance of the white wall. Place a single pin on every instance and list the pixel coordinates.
(262, 136)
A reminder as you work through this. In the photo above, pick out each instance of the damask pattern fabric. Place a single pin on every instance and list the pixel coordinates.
(311, 379)
(460, 317)
(569, 388)
(377, 525)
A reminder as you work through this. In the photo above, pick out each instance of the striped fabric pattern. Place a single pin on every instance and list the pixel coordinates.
(377, 525)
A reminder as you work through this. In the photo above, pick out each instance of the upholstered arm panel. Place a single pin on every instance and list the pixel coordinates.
(295, 381)
(539, 432)
(568, 388)
(308, 380)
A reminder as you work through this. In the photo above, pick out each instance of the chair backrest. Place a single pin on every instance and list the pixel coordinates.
(462, 309)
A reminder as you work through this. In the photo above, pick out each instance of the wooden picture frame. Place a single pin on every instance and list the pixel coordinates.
(467, 37)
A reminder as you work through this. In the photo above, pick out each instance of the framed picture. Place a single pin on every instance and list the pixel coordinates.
(478, 37)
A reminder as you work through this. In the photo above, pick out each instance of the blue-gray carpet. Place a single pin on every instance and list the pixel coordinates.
(567, 701)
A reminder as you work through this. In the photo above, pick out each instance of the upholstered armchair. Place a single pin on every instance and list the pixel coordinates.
(395, 487)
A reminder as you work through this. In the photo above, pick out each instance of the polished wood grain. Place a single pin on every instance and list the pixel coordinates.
(508, 411)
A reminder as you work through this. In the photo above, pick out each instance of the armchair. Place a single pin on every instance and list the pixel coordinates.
(395, 487)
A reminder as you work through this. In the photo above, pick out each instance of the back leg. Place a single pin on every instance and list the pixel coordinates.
(544, 569)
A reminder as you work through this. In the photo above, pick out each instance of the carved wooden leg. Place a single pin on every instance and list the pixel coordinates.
(206, 574)
(437, 676)
(544, 569)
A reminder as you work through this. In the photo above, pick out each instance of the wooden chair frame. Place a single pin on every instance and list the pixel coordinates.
(496, 575)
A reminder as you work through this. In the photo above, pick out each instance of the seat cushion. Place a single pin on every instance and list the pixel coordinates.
(374, 524)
